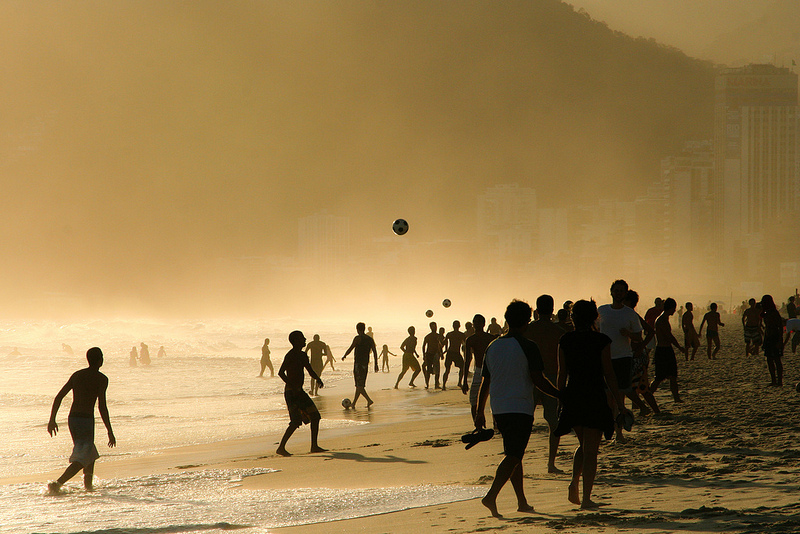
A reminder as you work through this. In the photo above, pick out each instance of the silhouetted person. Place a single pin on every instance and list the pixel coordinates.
(362, 345)
(563, 321)
(385, 358)
(584, 371)
(370, 333)
(133, 361)
(409, 348)
(512, 367)
(329, 359)
(88, 387)
(317, 350)
(712, 332)
(161, 352)
(546, 335)
(751, 321)
(773, 339)
(690, 337)
(15, 352)
(664, 358)
(475, 348)
(431, 354)
(302, 409)
(792, 331)
(640, 383)
(144, 354)
(453, 343)
(66, 348)
(469, 329)
(791, 311)
(265, 359)
(494, 327)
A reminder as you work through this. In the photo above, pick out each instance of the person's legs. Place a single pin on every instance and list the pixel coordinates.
(673, 387)
(447, 363)
(590, 445)
(577, 468)
(403, 372)
(504, 472)
(286, 435)
(88, 477)
(363, 392)
(517, 483)
(779, 370)
(315, 434)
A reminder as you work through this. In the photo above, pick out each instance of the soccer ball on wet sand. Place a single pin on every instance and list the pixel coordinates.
(400, 227)
(346, 403)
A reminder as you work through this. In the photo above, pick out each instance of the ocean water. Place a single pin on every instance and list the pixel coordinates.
(205, 390)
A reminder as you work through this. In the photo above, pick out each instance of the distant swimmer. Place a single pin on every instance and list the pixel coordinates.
(691, 339)
(265, 360)
(362, 345)
(144, 354)
(409, 348)
(431, 354)
(15, 352)
(317, 350)
(161, 352)
(453, 344)
(714, 321)
(329, 359)
(773, 339)
(88, 387)
(474, 350)
(66, 348)
(134, 357)
(664, 359)
(751, 321)
(385, 358)
(302, 409)
(370, 333)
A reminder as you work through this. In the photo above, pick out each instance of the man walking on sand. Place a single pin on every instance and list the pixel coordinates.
(301, 408)
(512, 367)
(363, 344)
(691, 339)
(88, 387)
(475, 347)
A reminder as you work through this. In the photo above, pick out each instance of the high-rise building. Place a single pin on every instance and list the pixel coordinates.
(324, 242)
(755, 153)
(507, 223)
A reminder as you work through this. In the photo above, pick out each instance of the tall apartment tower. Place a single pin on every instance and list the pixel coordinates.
(755, 152)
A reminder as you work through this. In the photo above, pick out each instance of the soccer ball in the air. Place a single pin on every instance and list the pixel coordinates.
(446, 303)
(429, 313)
(346, 403)
(400, 227)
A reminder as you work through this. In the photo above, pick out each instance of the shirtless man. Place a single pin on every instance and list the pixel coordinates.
(475, 347)
(712, 332)
(362, 344)
(664, 359)
(88, 387)
(409, 348)
(494, 327)
(546, 334)
(690, 337)
(431, 354)
(317, 349)
(751, 321)
(454, 341)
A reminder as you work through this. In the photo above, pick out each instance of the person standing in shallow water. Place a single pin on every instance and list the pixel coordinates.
(317, 350)
(362, 345)
(265, 359)
(409, 348)
(88, 387)
(302, 409)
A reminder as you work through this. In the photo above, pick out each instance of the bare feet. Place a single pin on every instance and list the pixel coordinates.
(491, 504)
(282, 452)
(554, 470)
(317, 448)
(53, 488)
(589, 504)
(370, 403)
(573, 495)
(525, 507)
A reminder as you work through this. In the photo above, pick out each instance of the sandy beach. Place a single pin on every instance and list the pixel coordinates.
(726, 460)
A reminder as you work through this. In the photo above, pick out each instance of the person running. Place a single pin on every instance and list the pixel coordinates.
(265, 360)
(302, 409)
(363, 345)
(690, 337)
(622, 325)
(640, 383)
(664, 359)
(751, 321)
(409, 348)
(88, 388)
(714, 321)
(431, 354)
(546, 334)
(475, 348)
(317, 350)
(454, 342)
(385, 358)
(512, 367)
(773, 339)
(585, 370)
(329, 359)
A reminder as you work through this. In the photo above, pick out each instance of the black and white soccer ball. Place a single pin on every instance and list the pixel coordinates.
(446, 303)
(400, 226)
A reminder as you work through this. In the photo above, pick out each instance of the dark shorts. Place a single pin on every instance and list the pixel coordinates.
(752, 335)
(665, 362)
(712, 334)
(453, 358)
(302, 409)
(516, 431)
(360, 374)
(549, 404)
(623, 370)
(410, 362)
(432, 362)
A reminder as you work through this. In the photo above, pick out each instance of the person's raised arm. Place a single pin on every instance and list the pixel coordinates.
(102, 406)
(52, 426)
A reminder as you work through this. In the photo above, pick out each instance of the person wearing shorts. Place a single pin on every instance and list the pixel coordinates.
(665, 363)
(512, 367)
(362, 344)
(409, 348)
